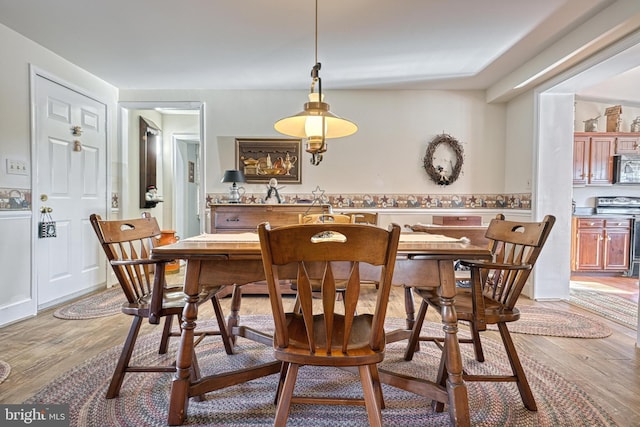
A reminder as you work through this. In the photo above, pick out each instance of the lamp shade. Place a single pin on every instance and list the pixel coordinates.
(301, 124)
(233, 175)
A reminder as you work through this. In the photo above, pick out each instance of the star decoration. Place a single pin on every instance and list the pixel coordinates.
(318, 194)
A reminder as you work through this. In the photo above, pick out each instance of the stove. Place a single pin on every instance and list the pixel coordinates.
(622, 205)
(618, 205)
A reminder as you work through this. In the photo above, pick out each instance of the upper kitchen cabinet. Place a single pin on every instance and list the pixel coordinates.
(593, 158)
(628, 144)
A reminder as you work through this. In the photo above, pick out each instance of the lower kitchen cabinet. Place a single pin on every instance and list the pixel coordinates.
(600, 244)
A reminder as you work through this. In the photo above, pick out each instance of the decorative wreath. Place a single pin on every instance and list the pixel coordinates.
(436, 173)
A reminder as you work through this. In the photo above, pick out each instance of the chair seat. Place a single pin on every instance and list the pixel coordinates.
(172, 301)
(358, 350)
(494, 312)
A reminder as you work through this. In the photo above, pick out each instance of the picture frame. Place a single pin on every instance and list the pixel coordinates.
(264, 158)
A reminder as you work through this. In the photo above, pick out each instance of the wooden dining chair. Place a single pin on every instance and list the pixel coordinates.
(322, 336)
(325, 218)
(322, 219)
(363, 217)
(127, 244)
(495, 288)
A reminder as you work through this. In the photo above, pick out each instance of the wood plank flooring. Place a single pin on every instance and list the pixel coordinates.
(43, 347)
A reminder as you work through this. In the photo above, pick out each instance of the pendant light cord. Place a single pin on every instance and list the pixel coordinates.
(316, 34)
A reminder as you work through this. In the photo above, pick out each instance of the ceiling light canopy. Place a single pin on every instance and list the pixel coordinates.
(316, 123)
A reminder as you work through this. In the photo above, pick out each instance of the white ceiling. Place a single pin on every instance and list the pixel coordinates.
(269, 44)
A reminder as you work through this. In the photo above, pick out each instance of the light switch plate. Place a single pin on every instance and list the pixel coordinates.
(17, 167)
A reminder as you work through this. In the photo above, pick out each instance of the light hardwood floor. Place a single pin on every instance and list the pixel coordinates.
(41, 348)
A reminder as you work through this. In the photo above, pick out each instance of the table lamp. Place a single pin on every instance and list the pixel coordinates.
(235, 192)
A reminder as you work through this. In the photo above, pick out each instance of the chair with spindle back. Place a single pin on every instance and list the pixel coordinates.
(322, 218)
(496, 286)
(325, 218)
(322, 336)
(363, 217)
(128, 244)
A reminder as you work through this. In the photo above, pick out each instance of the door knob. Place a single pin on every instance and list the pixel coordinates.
(45, 209)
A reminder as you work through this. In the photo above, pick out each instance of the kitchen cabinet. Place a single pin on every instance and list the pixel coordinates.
(593, 159)
(628, 144)
(600, 244)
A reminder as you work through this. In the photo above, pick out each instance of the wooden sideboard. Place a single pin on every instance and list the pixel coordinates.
(238, 218)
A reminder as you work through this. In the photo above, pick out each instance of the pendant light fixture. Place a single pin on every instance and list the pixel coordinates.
(316, 123)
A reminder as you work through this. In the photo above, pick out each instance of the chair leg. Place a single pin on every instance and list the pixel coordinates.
(414, 338)
(371, 400)
(284, 403)
(477, 344)
(377, 385)
(518, 371)
(222, 325)
(283, 375)
(234, 315)
(409, 306)
(166, 333)
(125, 357)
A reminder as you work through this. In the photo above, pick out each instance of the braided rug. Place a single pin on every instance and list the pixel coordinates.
(556, 323)
(99, 304)
(5, 370)
(143, 399)
(612, 307)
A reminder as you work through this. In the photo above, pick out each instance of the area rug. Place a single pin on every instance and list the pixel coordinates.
(612, 307)
(5, 370)
(143, 399)
(556, 323)
(100, 304)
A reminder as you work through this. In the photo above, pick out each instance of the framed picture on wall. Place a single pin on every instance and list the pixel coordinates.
(264, 158)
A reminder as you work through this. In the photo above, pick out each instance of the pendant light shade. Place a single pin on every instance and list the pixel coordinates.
(308, 122)
(316, 123)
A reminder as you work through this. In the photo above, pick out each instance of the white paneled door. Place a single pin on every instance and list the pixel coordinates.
(71, 160)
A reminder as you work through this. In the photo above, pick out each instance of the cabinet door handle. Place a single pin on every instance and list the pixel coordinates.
(234, 219)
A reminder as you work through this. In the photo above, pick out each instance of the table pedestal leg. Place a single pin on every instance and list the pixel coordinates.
(179, 398)
(456, 388)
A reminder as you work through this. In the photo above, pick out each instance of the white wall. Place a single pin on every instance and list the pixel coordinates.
(385, 155)
(16, 227)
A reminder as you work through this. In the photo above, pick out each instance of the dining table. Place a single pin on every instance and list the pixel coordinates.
(231, 260)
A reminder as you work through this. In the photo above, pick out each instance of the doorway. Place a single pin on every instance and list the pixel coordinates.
(181, 125)
(186, 188)
(555, 103)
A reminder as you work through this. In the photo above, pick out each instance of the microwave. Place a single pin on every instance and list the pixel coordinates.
(626, 169)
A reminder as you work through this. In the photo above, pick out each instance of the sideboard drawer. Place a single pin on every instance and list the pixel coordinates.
(470, 220)
(227, 218)
(237, 220)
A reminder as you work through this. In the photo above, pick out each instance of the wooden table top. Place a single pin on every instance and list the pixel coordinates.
(246, 244)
